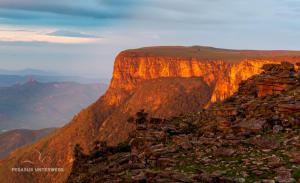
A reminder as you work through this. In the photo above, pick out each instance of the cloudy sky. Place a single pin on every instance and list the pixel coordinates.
(82, 37)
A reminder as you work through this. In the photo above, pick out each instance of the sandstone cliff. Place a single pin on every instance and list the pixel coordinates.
(221, 69)
(146, 78)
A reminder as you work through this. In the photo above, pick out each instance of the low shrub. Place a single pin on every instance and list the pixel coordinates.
(123, 147)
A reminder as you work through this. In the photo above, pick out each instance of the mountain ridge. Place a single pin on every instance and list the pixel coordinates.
(27, 71)
(10, 80)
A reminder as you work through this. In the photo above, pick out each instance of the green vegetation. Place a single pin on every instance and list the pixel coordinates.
(123, 147)
(141, 117)
(229, 99)
(241, 113)
(78, 151)
(296, 174)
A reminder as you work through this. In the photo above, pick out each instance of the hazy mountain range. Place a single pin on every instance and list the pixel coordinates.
(33, 99)
(10, 77)
(29, 71)
(36, 105)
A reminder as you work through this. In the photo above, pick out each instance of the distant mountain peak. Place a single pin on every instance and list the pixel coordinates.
(31, 80)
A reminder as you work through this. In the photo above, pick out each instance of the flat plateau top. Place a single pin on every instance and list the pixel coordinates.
(210, 53)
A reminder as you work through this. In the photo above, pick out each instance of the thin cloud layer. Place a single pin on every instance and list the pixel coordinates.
(63, 33)
(59, 37)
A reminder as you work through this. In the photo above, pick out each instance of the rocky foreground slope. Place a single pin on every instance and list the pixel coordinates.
(253, 136)
(165, 81)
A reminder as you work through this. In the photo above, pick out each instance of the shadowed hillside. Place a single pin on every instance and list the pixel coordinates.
(14, 139)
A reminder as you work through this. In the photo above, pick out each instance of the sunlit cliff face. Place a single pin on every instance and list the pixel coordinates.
(222, 76)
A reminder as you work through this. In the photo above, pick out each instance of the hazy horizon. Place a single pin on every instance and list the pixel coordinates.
(45, 72)
(83, 37)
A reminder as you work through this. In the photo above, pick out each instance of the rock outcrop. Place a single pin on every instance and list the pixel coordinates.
(259, 142)
(284, 79)
(146, 78)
